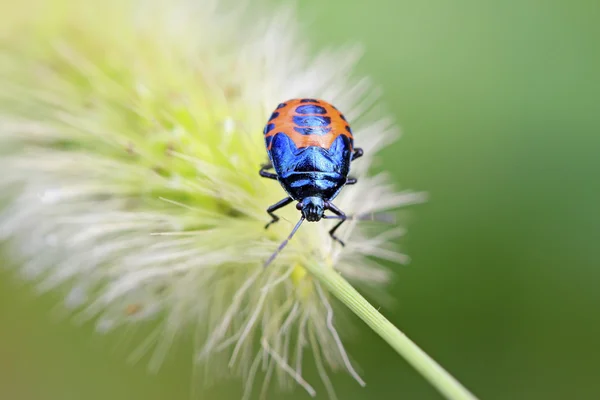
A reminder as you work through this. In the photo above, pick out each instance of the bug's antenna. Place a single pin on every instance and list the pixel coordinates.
(285, 242)
(379, 217)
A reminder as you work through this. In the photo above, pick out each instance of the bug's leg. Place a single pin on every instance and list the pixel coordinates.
(351, 181)
(276, 207)
(263, 171)
(358, 152)
(342, 216)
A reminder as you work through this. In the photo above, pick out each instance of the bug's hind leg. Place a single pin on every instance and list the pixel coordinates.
(343, 218)
(351, 181)
(263, 171)
(275, 207)
(358, 152)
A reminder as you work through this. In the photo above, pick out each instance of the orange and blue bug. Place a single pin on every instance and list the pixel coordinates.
(310, 147)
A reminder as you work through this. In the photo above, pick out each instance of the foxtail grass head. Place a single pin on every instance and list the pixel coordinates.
(130, 140)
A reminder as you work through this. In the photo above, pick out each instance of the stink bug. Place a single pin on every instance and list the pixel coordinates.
(310, 147)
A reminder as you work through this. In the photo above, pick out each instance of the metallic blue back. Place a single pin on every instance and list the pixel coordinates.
(310, 171)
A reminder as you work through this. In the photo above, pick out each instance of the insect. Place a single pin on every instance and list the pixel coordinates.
(310, 148)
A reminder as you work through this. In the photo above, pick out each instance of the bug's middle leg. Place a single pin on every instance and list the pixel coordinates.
(275, 207)
(340, 213)
(263, 171)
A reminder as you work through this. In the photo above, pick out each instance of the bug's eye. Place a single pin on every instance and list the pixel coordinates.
(298, 206)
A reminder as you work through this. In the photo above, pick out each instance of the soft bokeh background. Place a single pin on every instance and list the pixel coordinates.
(499, 104)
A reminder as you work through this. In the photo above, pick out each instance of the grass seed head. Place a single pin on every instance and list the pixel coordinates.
(130, 138)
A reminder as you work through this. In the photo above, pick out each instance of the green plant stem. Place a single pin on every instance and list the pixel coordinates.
(445, 383)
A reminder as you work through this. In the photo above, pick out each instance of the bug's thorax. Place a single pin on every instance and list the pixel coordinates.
(312, 208)
(312, 184)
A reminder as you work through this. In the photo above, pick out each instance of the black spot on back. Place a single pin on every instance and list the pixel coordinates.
(274, 115)
(342, 116)
(268, 141)
(309, 101)
(312, 120)
(281, 105)
(268, 128)
(318, 130)
(310, 109)
(349, 142)
(348, 129)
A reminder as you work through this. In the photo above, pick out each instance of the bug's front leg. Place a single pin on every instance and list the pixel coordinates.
(276, 207)
(343, 217)
(263, 171)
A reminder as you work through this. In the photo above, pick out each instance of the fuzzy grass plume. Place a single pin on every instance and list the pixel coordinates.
(130, 140)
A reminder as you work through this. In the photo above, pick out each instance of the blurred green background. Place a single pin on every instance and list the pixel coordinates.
(499, 103)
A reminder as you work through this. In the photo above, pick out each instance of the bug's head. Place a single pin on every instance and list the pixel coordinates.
(312, 208)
